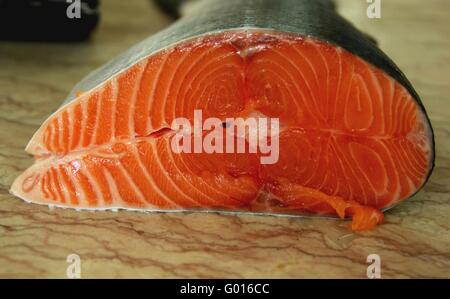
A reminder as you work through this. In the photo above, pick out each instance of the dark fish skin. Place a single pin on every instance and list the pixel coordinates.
(313, 18)
(174, 7)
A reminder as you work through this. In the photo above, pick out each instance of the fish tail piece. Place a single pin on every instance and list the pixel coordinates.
(296, 196)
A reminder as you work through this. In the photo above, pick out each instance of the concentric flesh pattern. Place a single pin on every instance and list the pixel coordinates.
(352, 140)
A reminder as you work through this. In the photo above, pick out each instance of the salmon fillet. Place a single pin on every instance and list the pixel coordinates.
(353, 141)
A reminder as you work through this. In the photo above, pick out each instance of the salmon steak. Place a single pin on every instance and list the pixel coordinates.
(339, 130)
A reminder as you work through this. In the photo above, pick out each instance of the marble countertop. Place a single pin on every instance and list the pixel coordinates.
(414, 240)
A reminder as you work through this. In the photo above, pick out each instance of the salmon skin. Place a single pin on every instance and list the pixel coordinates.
(353, 136)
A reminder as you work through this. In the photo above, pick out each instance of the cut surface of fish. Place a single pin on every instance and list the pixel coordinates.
(352, 141)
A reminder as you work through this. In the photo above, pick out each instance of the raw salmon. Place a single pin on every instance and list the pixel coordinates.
(354, 138)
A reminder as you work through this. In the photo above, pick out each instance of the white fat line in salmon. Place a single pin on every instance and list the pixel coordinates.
(233, 135)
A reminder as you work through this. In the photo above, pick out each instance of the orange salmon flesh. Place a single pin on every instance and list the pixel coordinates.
(352, 140)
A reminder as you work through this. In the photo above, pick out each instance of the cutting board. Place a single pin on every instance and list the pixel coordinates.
(36, 241)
